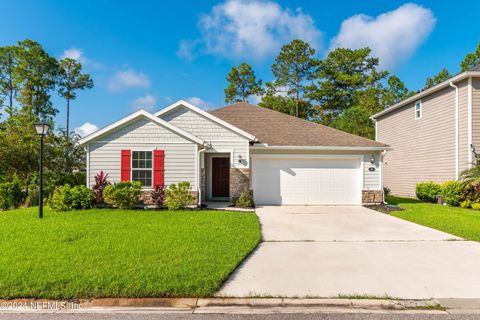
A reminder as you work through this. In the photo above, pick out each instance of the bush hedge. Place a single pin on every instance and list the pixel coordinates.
(427, 191)
(452, 192)
(66, 198)
(11, 194)
(178, 197)
(123, 195)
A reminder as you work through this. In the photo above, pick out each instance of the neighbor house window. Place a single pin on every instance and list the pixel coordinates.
(142, 167)
(418, 110)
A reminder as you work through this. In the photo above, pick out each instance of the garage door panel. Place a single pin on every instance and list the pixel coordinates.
(307, 181)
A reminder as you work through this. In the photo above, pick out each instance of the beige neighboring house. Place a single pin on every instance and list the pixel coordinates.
(278, 158)
(431, 133)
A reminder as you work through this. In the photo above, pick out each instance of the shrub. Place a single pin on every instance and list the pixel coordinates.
(452, 192)
(178, 197)
(387, 191)
(466, 204)
(101, 182)
(476, 206)
(427, 191)
(471, 191)
(123, 195)
(244, 201)
(66, 198)
(158, 196)
(11, 194)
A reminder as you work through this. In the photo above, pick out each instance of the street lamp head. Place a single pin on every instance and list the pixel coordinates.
(41, 128)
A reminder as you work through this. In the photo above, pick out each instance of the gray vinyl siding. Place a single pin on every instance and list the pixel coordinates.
(180, 154)
(476, 113)
(199, 125)
(371, 179)
(221, 139)
(424, 149)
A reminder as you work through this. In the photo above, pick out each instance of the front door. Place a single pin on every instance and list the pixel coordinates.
(220, 177)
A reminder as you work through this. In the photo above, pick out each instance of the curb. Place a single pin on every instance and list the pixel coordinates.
(196, 304)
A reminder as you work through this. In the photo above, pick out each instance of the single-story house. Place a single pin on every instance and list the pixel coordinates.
(435, 134)
(280, 159)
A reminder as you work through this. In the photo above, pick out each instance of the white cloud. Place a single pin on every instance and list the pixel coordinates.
(78, 55)
(250, 29)
(186, 49)
(86, 129)
(128, 79)
(393, 36)
(198, 102)
(146, 102)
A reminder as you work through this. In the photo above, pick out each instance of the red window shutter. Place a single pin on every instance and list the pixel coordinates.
(125, 163)
(158, 168)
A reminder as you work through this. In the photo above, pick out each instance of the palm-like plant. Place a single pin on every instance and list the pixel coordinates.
(471, 182)
(100, 183)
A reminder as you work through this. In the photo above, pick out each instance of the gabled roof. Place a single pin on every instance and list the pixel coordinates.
(134, 116)
(207, 115)
(274, 128)
(473, 72)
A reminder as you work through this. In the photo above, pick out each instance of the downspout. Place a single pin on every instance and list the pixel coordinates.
(199, 174)
(382, 168)
(456, 129)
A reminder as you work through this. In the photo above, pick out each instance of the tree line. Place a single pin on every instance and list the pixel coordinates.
(29, 76)
(341, 90)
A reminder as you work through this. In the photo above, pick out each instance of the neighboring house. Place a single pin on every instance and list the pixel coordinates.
(279, 158)
(431, 133)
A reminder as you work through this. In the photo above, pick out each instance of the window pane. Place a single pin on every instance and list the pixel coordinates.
(135, 155)
(143, 176)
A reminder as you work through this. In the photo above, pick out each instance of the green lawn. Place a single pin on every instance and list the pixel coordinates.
(461, 222)
(121, 253)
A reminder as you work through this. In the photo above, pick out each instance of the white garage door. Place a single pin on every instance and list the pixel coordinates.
(308, 181)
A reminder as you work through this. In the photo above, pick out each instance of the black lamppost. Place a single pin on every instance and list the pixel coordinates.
(41, 128)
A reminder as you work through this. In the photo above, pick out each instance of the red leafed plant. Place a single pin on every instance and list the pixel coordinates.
(100, 183)
(158, 196)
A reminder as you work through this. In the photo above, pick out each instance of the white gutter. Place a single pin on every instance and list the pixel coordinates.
(199, 174)
(456, 129)
(470, 123)
(320, 148)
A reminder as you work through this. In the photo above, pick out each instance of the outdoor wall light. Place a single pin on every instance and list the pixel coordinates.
(240, 159)
(372, 159)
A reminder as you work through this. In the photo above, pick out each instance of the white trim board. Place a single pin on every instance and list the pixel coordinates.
(134, 116)
(182, 103)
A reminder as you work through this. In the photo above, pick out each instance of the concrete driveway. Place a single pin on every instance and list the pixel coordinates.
(333, 251)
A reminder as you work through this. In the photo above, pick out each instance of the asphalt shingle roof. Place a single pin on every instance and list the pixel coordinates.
(278, 129)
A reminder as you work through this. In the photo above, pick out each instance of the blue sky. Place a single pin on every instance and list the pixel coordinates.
(151, 53)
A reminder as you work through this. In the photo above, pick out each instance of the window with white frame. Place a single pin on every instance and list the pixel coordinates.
(418, 109)
(142, 167)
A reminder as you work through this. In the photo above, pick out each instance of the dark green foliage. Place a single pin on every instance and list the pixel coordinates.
(443, 75)
(244, 201)
(355, 120)
(427, 191)
(452, 192)
(242, 83)
(123, 195)
(67, 198)
(70, 79)
(178, 197)
(294, 66)
(387, 191)
(11, 194)
(471, 60)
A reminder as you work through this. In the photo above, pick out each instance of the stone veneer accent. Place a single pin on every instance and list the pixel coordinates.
(372, 196)
(239, 182)
(146, 197)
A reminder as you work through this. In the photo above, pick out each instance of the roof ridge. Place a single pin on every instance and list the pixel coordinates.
(309, 122)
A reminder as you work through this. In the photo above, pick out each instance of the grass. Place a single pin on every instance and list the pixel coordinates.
(461, 222)
(121, 253)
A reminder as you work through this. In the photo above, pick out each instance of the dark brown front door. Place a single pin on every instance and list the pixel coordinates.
(220, 177)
